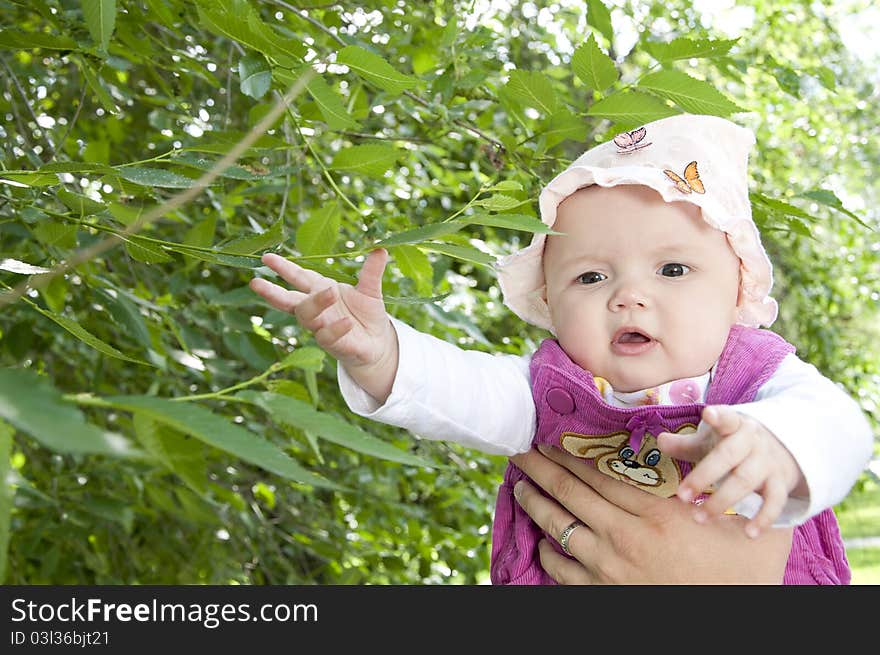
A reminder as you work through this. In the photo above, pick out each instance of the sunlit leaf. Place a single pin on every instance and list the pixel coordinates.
(331, 428)
(100, 17)
(30, 403)
(593, 67)
(375, 69)
(221, 433)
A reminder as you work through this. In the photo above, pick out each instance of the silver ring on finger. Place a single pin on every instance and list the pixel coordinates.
(566, 535)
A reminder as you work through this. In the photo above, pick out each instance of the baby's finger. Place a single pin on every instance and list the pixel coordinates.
(721, 460)
(328, 335)
(724, 419)
(370, 276)
(309, 310)
(690, 446)
(743, 480)
(279, 297)
(775, 497)
(294, 274)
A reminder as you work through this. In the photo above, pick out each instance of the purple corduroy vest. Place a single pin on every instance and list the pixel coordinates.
(572, 415)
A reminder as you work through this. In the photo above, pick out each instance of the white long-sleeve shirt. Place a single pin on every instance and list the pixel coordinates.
(484, 401)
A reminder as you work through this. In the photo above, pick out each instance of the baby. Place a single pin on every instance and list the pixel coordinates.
(655, 291)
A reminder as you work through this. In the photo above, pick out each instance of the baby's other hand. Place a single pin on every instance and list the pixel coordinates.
(736, 455)
(350, 323)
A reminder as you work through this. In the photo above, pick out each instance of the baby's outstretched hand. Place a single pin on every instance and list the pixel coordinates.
(350, 323)
(737, 455)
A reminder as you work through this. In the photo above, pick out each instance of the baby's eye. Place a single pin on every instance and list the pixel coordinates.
(591, 278)
(674, 270)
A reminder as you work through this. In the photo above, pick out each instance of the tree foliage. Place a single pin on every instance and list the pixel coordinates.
(159, 424)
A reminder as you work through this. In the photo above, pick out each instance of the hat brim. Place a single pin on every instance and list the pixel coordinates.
(521, 274)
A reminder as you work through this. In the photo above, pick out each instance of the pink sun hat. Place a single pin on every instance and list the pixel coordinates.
(685, 158)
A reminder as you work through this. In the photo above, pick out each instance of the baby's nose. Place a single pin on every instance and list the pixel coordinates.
(626, 298)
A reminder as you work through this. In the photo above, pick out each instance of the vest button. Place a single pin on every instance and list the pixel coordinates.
(560, 401)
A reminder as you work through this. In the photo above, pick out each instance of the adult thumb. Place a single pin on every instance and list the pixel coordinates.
(370, 276)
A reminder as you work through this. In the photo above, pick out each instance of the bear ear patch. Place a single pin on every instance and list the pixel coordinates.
(590, 446)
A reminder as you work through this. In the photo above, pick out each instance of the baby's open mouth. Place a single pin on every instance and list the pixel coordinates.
(633, 337)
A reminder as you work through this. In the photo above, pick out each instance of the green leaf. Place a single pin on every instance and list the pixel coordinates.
(80, 204)
(255, 75)
(103, 95)
(414, 264)
(501, 202)
(684, 48)
(319, 232)
(202, 233)
(180, 454)
(6, 494)
(31, 179)
(419, 234)
(303, 416)
(146, 251)
(506, 185)
(599, 17)
(631, 107)
(75, 167)
(456, 251)
(371, 160)
(220, 258)
(375, 70)
(128, 213)
(100, 17)
(509, 221)
(237, 20)
(155, 177)
(87, 337)
(54, 234)
(31, 404)
(779, 206)
(126, 314)
(689, 93)
(330, 105)
(397, 300)
(17, 40)
(217, 431)
(256, 242)
(308, 358)
(563, 125)
(594, 67)
(830, 199)
(532, 89)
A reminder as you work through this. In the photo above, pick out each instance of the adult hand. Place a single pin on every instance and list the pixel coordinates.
(632, 537)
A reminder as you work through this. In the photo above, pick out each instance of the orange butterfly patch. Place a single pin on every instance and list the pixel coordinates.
(690, 183)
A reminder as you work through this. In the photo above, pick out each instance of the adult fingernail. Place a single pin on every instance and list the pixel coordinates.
(544, 448)
(518, 489)
(685, 494)
(700, 516)
(752, 531)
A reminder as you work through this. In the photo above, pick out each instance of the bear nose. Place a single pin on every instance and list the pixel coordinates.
(631, 464)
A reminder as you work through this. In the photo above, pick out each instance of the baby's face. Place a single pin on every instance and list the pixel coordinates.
(640, 291)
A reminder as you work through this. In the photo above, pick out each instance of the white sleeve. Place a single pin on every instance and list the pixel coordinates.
(822, 427)
(445, 393)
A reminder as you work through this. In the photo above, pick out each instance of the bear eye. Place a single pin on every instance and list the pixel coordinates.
(626, 452)
(653, 457)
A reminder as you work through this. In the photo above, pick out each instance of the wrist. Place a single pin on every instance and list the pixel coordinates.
(377, 377)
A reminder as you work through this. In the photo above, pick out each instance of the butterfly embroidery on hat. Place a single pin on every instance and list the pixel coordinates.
(628, 142)
(691, 182)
